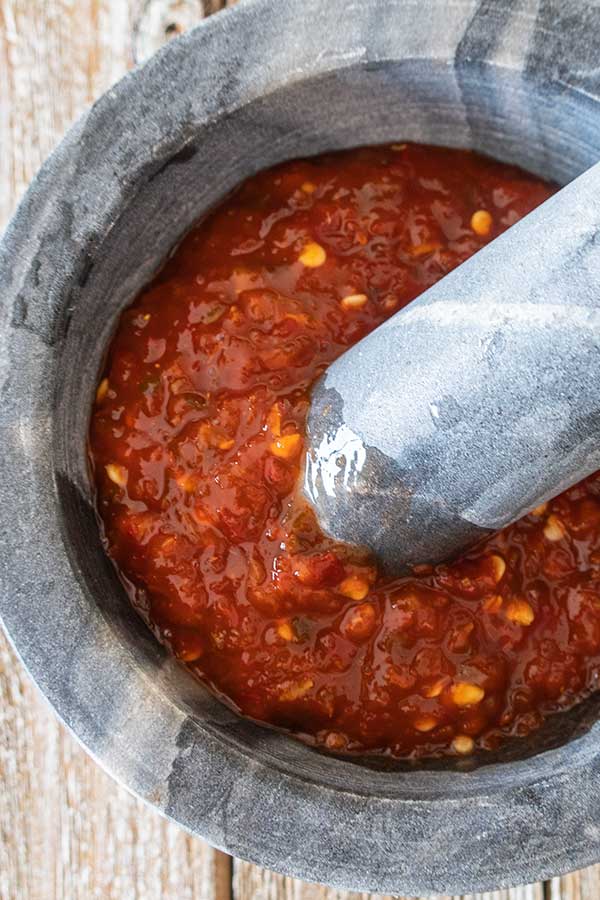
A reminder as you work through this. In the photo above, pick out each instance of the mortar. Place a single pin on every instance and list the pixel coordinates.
(269, 80)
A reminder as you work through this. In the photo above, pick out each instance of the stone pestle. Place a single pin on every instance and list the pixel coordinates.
(475, 403)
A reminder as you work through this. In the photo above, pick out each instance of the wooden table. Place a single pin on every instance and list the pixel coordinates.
(67, 832)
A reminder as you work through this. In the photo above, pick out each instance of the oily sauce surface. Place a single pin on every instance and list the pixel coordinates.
(197, 446)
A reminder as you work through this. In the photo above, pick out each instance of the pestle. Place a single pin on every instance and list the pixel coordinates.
(473, 404)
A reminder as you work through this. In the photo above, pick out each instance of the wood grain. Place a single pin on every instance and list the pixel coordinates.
(67, 831)
(253, 883)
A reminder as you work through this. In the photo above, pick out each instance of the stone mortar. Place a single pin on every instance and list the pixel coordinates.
(269, 80)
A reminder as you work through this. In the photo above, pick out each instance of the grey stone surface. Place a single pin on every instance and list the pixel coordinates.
(473, 404)
(256, 85)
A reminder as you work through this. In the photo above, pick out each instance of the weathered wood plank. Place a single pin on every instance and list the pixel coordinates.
(67, 831)
(56, 57)
(582, 885)
(253, 883)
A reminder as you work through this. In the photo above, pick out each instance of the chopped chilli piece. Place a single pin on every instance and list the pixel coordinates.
(117, 474)
(539, 510)
(313, 256)
(287, 446)
(354, 301)
(359, 622)
(520, 612)
(465, 694)
(424, 248)
(297, 691)
(481, 222)
(354, 587)
(285, 631)
(426, 723)
(499, 567)
(197, 438)
(493, 603)
(463, 744)
(435, 689)
(102, 390)
(554, 530)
